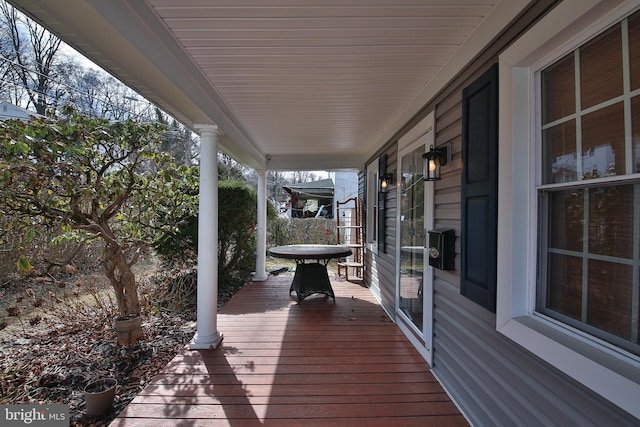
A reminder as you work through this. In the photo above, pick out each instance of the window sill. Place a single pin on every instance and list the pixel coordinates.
(612, 374)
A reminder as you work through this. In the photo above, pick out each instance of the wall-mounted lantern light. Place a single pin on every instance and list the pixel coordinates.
(386, 181)
(434, 159)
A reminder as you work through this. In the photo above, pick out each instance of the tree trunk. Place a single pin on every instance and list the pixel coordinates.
(118, 270)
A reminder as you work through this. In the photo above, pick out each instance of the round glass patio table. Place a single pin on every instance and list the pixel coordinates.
(311, 275)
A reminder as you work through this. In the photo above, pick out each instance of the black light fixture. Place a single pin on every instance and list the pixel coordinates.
(385, 181)
(434, 159)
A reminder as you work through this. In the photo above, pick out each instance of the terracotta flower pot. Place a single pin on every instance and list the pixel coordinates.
(127, 328)
(99, 396)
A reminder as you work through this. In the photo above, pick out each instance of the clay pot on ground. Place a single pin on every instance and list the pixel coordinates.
(99, 395)
(128, 328)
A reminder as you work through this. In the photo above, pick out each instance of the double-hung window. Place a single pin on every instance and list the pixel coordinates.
(568, 287)
(589, 190)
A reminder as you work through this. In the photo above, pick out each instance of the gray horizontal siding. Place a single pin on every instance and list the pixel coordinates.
(380, 275)
(386, 259)
(381, 266)
(498, 383)
(494, 381)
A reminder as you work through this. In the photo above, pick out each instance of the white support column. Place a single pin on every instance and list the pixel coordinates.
(261, 232)
(207, 335)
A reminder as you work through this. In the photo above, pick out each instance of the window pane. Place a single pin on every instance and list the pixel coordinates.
(559, 90)
(603, 142)
(634, 49)
(635, 123)
(564, 289)
(559, 153)
(589, 231)
(611, 221)
(413, 237)
(566, 222)
(609, 297)
(593, 283)
(601, 68)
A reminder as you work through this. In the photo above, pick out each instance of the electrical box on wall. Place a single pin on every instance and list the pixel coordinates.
(441, 250)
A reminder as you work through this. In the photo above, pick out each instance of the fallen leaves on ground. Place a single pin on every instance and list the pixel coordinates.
(53, 363)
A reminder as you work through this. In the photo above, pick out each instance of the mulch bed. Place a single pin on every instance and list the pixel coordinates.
(53, 364)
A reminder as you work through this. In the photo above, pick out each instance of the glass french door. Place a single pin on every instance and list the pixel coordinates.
(414, 276)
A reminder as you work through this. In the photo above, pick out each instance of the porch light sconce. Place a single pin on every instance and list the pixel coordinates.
(434, 159)
(386, 180)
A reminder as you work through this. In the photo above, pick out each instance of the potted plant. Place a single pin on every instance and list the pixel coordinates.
(128, 328)
(99, 395)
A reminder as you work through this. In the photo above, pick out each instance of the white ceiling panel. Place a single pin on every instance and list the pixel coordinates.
(313, 83)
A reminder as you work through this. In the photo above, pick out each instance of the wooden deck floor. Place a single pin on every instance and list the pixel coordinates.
(319, 363)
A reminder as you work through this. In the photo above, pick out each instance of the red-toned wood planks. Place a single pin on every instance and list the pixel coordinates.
(282, 364)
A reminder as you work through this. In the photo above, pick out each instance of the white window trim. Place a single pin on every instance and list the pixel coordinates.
(610, 372)
(410, 141)
(372, 206)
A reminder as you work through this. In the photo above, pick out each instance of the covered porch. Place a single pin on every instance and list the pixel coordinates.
(315, 364)
(368, 86)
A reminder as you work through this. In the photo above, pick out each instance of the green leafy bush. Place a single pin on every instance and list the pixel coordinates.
(237, 214)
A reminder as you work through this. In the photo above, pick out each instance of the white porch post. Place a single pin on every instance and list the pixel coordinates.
(261, 237)
(207, 335)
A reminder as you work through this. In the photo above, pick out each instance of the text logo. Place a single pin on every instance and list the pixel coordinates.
(54, 415)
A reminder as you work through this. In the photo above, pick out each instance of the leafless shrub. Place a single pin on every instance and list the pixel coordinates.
(69, 298)
(68, 258)
(93, 304)
(176, 288)
(284, 231)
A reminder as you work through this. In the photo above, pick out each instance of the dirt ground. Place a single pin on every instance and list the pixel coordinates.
(57, 336)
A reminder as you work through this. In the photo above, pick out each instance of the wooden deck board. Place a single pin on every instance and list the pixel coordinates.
(320, 363)
(298, 399)
(426, 421)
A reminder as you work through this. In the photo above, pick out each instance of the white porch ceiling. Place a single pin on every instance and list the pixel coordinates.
(292, 84)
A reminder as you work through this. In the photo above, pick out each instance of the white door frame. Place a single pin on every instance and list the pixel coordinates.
(421, 135)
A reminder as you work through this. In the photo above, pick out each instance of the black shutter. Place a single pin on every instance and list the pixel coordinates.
(480, 190)
(382, 200)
